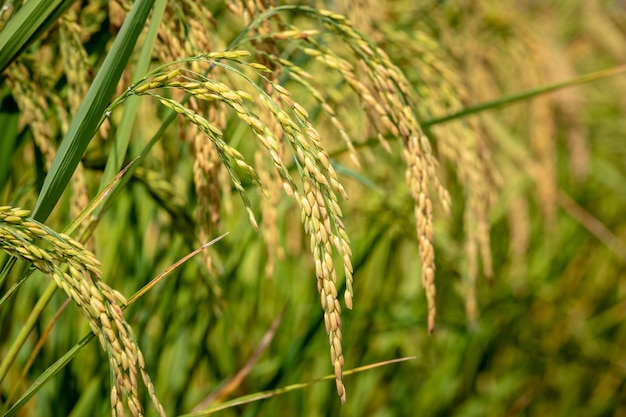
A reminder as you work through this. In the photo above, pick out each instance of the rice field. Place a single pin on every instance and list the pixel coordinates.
(316, 208)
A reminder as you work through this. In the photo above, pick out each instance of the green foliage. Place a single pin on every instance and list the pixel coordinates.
(144, 145)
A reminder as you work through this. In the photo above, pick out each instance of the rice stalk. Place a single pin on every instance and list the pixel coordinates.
(33, 88)
(25, 238)
(188, 36)
(283, 124)
(390, 97)
(462, 143)
(318, 200)
(390, 102)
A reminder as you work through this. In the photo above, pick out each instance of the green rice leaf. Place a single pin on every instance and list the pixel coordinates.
(90, 113)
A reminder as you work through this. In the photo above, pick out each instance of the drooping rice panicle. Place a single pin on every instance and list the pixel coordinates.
(77, 272)
(320, 181)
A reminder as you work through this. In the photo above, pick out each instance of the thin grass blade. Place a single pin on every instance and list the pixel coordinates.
(122, 138)
(526, 95)
(246, 399)
(25, 330)
(49, 373)
(344, 170)
(28, 23)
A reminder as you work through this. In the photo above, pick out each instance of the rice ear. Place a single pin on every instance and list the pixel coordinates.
(77, 271)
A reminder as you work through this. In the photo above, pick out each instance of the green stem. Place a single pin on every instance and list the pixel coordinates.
(33, 318)
(27, 25)
(503, 101)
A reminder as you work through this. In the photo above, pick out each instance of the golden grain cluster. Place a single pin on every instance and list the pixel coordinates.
(77, 272)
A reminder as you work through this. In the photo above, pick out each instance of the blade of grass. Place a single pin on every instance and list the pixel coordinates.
(28, 23)
(526, 95)
(89, 115)
(14, 287)
(289, 388)
(165, 273)
(7, 266)
(25, 330)
(122, 138)
(343, 170)
(36, 350)
(49, 373)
